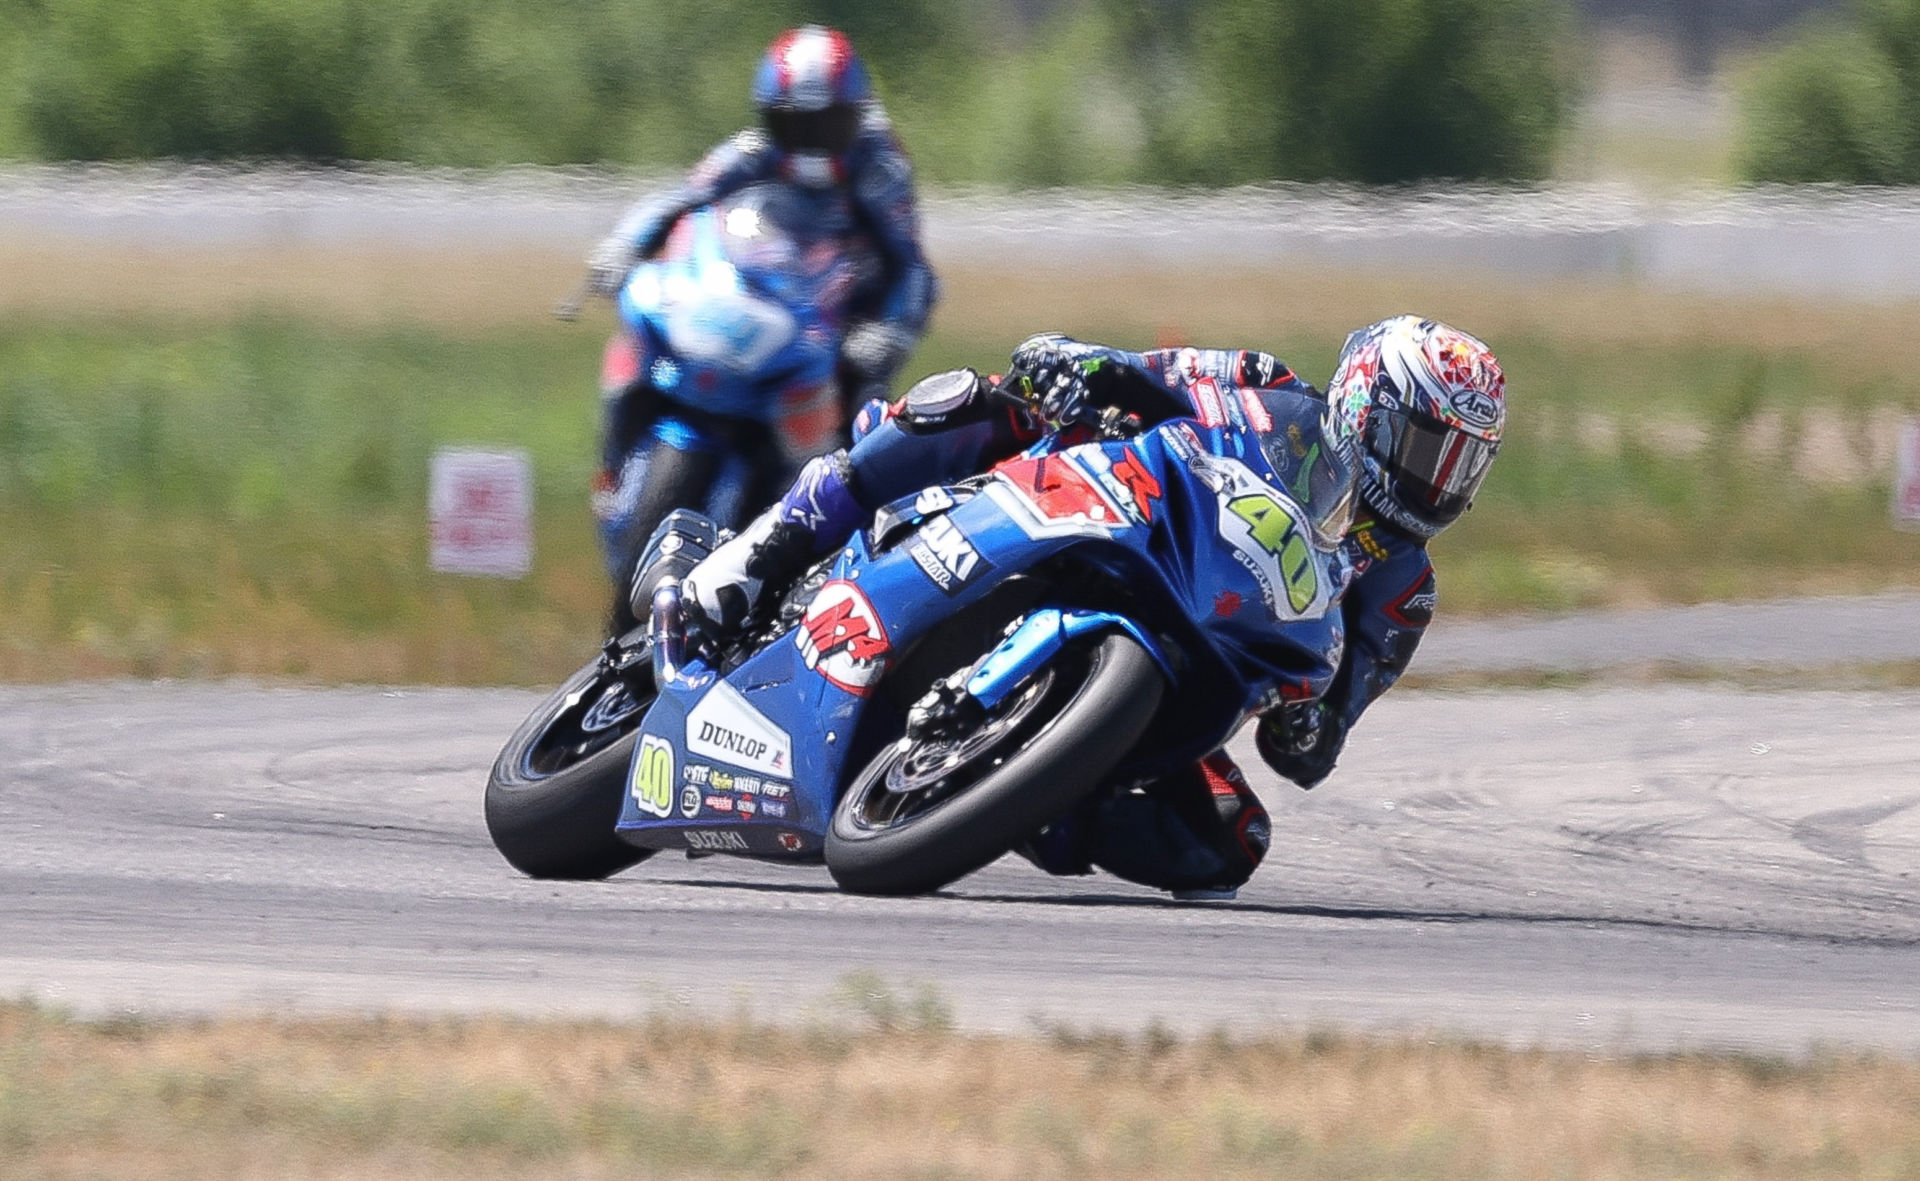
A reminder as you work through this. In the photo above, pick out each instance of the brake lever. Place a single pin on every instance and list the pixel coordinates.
(1108, 422)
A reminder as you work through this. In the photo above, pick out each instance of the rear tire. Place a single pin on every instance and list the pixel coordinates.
(556, 790)
(1053, 741)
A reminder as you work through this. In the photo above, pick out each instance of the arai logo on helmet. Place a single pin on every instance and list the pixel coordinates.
(1475, 408)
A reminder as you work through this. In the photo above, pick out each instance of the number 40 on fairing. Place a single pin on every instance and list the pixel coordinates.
(1274, 531)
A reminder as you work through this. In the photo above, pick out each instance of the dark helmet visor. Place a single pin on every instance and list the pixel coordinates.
(1436, 469)
(1319, 472)
(829, 130)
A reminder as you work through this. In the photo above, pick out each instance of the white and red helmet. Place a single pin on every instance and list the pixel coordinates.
(811, 91)
(1435, 403)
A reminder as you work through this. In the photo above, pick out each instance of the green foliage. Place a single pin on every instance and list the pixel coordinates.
(1103, 91)
(1383, 91)
(1840, 102)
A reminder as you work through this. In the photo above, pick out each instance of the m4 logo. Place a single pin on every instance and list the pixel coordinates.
(653, 776)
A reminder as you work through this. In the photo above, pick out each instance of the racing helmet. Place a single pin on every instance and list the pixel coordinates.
(1433, 401)
(811, 91)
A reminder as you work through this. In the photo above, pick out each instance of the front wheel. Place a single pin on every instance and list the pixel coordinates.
(557, 787)
(925, 812)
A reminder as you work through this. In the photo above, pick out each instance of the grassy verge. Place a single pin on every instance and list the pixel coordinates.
(192, 485)
(480, 1098)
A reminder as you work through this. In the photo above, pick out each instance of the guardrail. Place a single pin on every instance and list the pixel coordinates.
(1840, 243)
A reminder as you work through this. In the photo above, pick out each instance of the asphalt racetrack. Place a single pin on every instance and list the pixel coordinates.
(1626, 867)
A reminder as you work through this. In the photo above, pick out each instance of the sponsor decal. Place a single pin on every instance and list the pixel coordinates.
(932, 500)
(1257, 416)
(791, 842)
(1267, 535)
(1050, 496)
(1141, 485)
(776, 791)
(945, 556)
(722, 780)
(724, 727)
(719, 803)
(1474, 408)
(748, 784)
(1414, 606)
(1181, 440)
(841, 638)
(653, 776)
(715, 840)
(696, 773)
(1371, 544)
(1263, 370)
(774, 808)
(1209, 408)
(747, 806)
(689, 801)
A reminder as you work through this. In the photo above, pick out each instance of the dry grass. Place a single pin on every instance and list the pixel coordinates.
(186, 430)
(480, 1098)
(475, 290)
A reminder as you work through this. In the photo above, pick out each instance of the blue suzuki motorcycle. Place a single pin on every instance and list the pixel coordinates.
(1095, 612)
(720, 381)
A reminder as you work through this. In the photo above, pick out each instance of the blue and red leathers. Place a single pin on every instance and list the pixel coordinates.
(1204, 829)
(873, 196)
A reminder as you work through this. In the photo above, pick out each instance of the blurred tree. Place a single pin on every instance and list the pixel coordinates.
(1386, 91)
(1839, 102)
(1097, 91)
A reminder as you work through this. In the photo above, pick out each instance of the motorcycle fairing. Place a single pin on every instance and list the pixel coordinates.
(1149, 510)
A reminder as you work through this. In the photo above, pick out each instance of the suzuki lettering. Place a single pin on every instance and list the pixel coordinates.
(726, 729)
(944, 555)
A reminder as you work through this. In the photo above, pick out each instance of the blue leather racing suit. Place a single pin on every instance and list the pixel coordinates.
(1203, 829)
(874, 196)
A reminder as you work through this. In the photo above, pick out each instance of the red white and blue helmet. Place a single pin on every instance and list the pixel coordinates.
(810, 90)
(1435, 403)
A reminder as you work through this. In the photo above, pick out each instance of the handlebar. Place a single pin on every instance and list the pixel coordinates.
(1106, 422)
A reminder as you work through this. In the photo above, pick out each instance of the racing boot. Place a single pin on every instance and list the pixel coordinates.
(818, 513)
(1198, 834)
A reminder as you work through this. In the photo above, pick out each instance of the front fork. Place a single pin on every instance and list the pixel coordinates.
(960, 701)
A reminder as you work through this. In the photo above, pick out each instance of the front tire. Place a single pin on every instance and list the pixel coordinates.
(556, 790)
(924, 813)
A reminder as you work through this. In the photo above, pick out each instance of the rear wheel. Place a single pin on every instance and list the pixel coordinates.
(924, 812)
(557, 787)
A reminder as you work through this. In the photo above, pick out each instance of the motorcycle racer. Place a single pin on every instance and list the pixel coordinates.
(1424, 405)
(823, 133)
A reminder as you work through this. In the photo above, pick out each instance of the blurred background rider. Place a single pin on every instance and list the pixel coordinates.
(823, 132)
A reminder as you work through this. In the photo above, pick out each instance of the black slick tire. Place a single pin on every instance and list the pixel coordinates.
(1092, 724)
(552, 816)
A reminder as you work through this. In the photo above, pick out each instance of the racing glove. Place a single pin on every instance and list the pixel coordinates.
(1054, 376)
(609, 263)
(876, 349)
(1300, 741)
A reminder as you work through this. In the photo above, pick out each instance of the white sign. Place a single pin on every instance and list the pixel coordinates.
(480, 512)
(726, 728)
(1906, 477)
